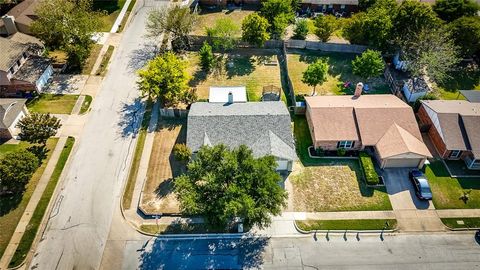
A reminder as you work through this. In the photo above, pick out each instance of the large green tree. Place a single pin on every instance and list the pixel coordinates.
(254, 30)
(165, 77)
(175, 21)
(450, 10)
(223, 185)
(411, 18)
(38, 128)
(16, 169)
(315, 74)
(325, 25)
(68, 25)
(224, 34)
(279, 14)
(466, 34)
(368, 65)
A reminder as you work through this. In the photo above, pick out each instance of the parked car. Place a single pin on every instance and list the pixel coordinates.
(421, 185)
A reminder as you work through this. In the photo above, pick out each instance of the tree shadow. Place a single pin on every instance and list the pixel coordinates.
(239, 65)
(131, 116)
(205, 253)
(140, 57)
(40, 151)
(464, 77)
(198, 77)
(9, 202)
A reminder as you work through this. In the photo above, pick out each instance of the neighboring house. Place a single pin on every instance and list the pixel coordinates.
(381, 124)
(11, 111)
(264, 127)
(22, 71)
(471, 95)
(454, 129)
(226, 94)
(19, 18)
(414, 89)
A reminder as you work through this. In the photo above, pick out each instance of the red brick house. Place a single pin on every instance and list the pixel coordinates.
(454, 128)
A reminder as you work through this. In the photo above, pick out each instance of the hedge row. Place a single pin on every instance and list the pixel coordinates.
(371, 175)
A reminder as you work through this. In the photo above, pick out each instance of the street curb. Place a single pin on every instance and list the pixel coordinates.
(342, 231)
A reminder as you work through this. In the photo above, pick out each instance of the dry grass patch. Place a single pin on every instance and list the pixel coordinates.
(335, 185)
(251, 68)
(158, 196)
(207, 19)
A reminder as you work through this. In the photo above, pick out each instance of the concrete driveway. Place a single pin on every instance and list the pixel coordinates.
(412, 213)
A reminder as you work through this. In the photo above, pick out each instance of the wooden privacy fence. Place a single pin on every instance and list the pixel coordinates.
(173, 113)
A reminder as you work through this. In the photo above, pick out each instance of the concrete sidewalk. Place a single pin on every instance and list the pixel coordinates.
(458, 213)
(32, 204)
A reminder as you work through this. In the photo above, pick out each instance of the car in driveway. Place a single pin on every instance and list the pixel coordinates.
(421, 185)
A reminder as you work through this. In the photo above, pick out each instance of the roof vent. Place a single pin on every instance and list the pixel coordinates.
(230, 97)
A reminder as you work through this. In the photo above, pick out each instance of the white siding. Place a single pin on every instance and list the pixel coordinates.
(433, 116)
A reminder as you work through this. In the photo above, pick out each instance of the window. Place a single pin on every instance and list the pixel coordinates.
(345, 144)
(455, 153)
(342, 6)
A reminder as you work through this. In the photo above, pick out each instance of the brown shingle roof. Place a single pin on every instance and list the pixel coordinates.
(341, 120)
(24, 12)
(397, 141)
(11, 51)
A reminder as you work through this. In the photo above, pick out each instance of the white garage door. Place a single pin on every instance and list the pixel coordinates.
(282, 165)
(402, 163)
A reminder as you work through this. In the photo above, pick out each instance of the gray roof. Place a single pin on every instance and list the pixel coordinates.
(265, 127)
(10, 108)
(454, 134)
(32, 69)
(11, 52)
(471, 95)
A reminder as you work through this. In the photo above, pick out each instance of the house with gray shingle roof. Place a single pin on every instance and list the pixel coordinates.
(11, 111)
(22, 70)
(264, 127)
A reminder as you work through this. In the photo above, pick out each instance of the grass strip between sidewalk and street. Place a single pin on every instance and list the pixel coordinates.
(191, 228)
(31, 231)
(125, 18)
(469, 222)
(347, 224)
(87, 102)
(137, 156)
(102, 69)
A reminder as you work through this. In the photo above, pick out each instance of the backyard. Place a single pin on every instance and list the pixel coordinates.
(465, 77)
(111, 9)
(12, 207)
(52, 103)
(207, 19)
(448, 190)
(252, 68)
(340, 72)
(158, 196)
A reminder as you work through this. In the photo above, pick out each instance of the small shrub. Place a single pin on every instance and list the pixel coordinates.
(320, 152)
(371, 175)
(341, 152)
(181, 152)
(301, 29)
(206, 57)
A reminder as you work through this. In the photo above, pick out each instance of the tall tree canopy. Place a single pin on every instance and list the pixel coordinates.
(224, 33)
(466, 34)
(450, 10)
(254, 29)
(16, 169)
(165, 77)
(412, 17)
(279, 14)
(223, 184)
(315, 74)
(368, 65)
(68, 25)
(174, 20)
(325, 25)
(38, 128)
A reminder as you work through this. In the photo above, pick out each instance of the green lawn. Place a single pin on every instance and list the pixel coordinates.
(208, 18)
(7, 148)
(242, 67)
(125, 18)
(348, 224)
(112, 10)
(87, 102)
(132, 176)
(340, 71)
(52, 103)
(447, 190)
(12, 207)
(468, 223)
(102, 69)
(463, 78)
(32, 227)
(92, 58)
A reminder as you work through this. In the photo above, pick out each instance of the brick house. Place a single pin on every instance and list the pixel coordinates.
(454, 129)
(383, 125)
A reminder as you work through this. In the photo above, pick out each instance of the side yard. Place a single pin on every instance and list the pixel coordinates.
(252, 68)
(52, 103)
(158, 196)
(339, 73)
(208, 18)
(465, 77)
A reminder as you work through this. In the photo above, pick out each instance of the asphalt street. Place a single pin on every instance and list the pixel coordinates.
(80, 222)
(434, 251)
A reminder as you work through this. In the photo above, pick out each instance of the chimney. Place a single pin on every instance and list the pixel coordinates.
(358, 90)
(230, 97)
(10, 26)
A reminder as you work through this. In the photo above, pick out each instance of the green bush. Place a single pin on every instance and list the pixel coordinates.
(341, 152)
(371, 175)
(182, 152)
